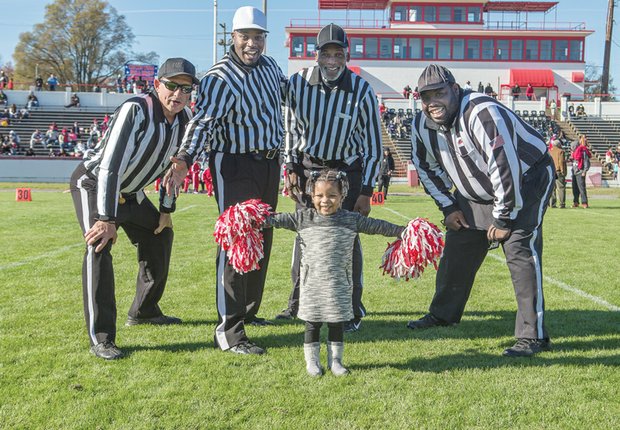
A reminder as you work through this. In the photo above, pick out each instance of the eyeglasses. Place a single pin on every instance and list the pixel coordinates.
(173, 86)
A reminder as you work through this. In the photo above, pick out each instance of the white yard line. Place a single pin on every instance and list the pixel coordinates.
(549, 279)
(186, 208)
(49, 254)
(59, 250)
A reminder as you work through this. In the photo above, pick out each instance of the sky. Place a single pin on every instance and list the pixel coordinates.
(184, 28)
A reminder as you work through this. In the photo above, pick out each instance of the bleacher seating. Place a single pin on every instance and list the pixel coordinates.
(41, 118)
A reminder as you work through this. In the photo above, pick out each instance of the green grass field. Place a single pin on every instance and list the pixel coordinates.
(173, 378)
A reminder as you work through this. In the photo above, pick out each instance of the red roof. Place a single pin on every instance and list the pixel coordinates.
(538, 78)
(518, 6)
(353, 4)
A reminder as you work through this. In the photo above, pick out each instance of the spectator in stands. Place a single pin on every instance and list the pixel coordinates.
(559, 188)
(14, 142)
(32, 101)
(467, 86)
(36, 138)
(52, 82)
(93, 137)
(610, 158)
(4, 100)
(581, 110)
(75, 129)
(10, 85)
(4, 80)
(5, 118)
(382, 109)
(6, 146)
(119, 84)
(480, 87)
(13, 112)
(488, 90)
(407, 92)
(571, 110)
(38, 83)
(581, 164)
(529, 92)
(51, 136)
(552, 107)
(75, 101)
(416, 94)
(385, 172)
(516, 91)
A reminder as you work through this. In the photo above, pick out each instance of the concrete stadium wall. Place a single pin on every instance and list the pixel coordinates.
(59, 99)
(27, 169)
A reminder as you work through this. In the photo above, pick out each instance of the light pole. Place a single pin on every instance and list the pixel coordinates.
(224, 42)
(214, 31)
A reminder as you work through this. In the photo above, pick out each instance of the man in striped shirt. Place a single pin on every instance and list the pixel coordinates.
(332, 120)
(491, 175)
(239, 113)
(108, 192)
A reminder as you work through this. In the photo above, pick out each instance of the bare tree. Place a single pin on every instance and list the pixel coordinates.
(83, 42)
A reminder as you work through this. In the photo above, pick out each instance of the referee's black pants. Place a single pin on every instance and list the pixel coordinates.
(139, 221)
(236, 178)
(466, 249)
(354, 175)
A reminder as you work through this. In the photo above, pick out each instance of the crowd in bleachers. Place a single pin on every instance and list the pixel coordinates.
(397, 121)
(65, 141)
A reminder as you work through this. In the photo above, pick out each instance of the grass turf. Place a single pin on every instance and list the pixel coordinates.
(174, 378)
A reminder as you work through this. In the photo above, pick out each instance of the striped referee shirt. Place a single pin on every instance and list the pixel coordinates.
(484, 155)
(340, 123)
(134, 151)
(238, 110)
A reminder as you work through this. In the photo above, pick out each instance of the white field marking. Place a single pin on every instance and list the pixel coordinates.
(568, 288)
(59, 250)
(186, 208)
(41, 256)
(548, 279)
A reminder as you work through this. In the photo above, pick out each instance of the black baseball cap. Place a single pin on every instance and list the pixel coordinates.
(331, 33)
(175, 67)
(433, 77)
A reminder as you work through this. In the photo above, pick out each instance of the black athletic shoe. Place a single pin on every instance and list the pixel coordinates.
(160, 320)
(428, 321)
(353, 325)
(527, 347)
(106, 350)
(286, 314)
(259, 322)
(246, 347)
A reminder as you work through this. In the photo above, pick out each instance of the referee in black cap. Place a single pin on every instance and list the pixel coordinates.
(332, 120)
(491, 175)
(108, 193)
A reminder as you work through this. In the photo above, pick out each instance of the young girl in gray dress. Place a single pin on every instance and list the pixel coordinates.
(327, 235)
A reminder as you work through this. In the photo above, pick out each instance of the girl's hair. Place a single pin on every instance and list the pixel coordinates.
(328, 175)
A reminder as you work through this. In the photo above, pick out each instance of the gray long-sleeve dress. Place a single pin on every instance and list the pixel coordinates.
(327, 258)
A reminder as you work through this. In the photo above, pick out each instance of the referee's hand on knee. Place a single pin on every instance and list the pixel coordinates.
(102, 232)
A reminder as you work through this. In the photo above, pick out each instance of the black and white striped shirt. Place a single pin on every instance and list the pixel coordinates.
(238, 110)
(484, 154)
(333, 124)
(134, 151)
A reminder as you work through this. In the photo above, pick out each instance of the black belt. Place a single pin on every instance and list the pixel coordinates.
(333, 164)
(268, 154)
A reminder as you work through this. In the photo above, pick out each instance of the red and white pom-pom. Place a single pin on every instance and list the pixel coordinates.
(421, 244)
(238, 232)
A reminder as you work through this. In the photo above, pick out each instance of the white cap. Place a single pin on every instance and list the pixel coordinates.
(249, 18)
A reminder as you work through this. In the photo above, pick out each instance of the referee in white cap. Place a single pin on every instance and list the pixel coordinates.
(239, 118)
